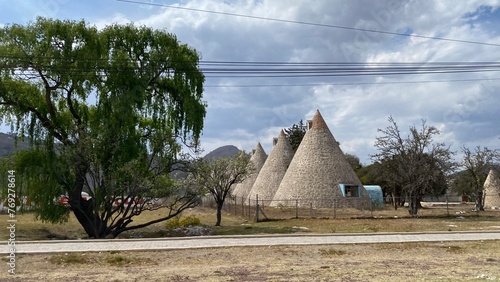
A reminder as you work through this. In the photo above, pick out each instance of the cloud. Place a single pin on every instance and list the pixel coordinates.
(465, 111)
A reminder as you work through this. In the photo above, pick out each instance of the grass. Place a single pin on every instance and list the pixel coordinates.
(112, 258)
(386, 220)
(331, 252)
(425, 261)
(71, 258)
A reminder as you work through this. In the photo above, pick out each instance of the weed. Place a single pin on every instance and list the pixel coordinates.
(118, 260)
(454, 249)
(187, 221)
(68, 259)
(331, 252)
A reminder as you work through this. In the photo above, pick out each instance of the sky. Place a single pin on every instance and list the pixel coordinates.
(465, 107)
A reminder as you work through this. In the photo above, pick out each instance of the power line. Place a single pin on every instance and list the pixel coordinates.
(246, 69)
(311, 24)
(347, 84)
(263, 69)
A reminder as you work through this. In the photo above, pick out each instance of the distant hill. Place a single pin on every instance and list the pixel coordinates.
(7, 145)
(222, 152)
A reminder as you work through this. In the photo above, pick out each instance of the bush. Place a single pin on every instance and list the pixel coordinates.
(71, 258)
(187, 221)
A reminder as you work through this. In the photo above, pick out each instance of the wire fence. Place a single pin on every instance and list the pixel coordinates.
(264, 209)
(340, 208)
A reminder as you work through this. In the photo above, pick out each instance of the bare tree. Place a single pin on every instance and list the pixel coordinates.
(218, 176)
(477, 164)
(417, 164)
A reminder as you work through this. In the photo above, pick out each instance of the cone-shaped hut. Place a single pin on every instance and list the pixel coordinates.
(272, 171)
(258, 159)
(492, 191)
(319, 175)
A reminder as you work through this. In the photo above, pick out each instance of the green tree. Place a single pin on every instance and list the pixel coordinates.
(295, 134)
(477, 165)
(217, 177)
(416, 163)
(105, 111)
(353, 161)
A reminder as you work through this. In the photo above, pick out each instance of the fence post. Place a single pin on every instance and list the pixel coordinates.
(311, 209)
(242, 206)
(447, 208)
(371, 207)
(296, 208)
(257, 208)
(334, 207)
(249, 209)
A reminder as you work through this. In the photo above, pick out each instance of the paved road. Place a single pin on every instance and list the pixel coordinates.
(232, 241)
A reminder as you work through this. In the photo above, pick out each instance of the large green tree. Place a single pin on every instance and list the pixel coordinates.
(105, 111)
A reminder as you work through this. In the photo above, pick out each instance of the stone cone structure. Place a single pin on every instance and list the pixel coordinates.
(258, 159)
(317, 169)
(492, 191)
(272, 172)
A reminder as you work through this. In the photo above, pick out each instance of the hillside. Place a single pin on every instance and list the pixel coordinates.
(222, 152)
(7, 144)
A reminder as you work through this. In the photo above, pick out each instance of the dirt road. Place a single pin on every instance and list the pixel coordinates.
(239, 241)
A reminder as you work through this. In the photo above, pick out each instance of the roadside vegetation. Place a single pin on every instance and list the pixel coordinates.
(386, 220)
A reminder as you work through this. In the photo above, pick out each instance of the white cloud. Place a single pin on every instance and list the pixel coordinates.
(466, 112)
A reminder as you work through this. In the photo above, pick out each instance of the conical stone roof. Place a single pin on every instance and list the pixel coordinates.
(492, 191)
(272, 171)
(317, 169)
(258, 159)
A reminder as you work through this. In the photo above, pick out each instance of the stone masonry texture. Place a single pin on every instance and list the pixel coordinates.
(492, 191)
(272, 171)
(258, 159)
(317, 169)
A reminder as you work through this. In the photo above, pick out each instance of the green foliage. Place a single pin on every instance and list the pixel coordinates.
(71, 258)
(295, 134)
(118, 260)
(463, 183)
(353, 162)
(218, 176)
(35, 168)
(185, 222)
(105, 110)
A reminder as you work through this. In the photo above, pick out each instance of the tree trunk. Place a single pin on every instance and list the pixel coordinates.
(84, 210)
(479, 201)
(413, 205)
(395, 199)
(219, 214)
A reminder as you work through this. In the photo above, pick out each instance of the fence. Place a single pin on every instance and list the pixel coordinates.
(295, 208)
(341, 208)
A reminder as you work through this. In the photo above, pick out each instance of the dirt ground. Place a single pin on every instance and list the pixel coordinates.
(451, 261)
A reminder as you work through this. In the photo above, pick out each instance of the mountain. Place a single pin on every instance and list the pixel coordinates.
(222, 152)
(7, 146)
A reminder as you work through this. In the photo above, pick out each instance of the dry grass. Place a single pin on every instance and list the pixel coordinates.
(386, 220)
(451, 261)
(457, 261)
